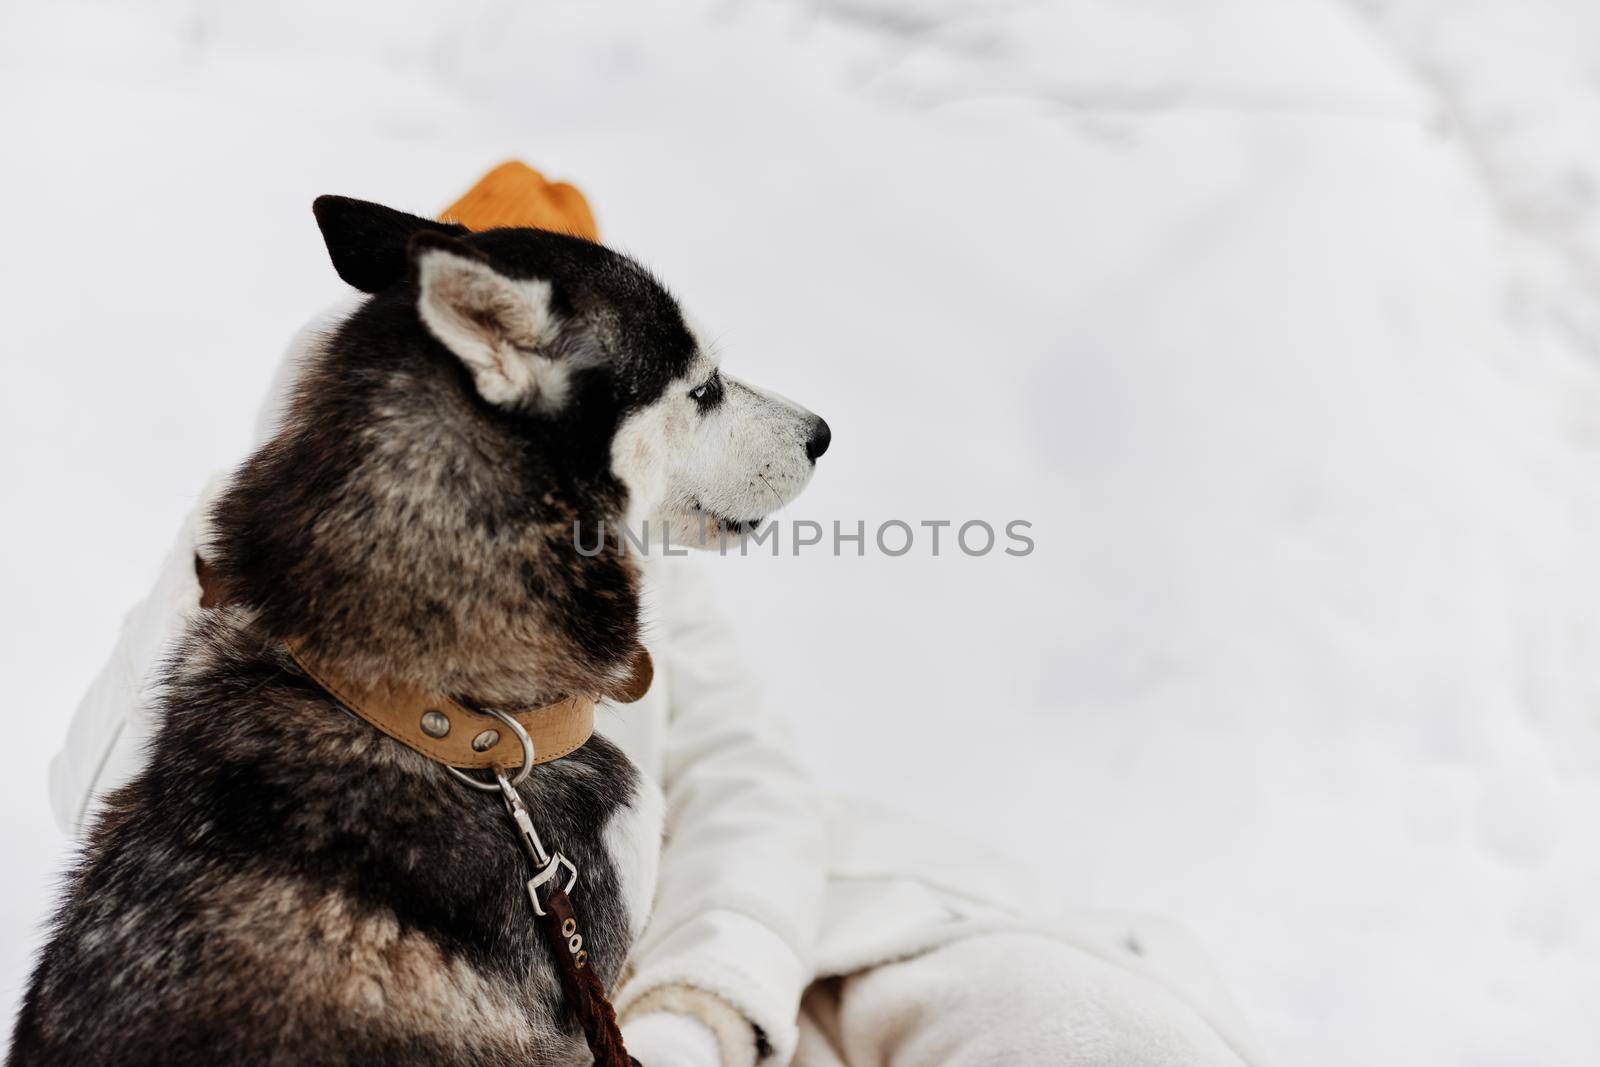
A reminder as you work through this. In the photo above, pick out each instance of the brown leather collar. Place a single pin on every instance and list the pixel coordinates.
(445, 730)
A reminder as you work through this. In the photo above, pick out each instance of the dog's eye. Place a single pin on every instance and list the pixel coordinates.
(708, 394)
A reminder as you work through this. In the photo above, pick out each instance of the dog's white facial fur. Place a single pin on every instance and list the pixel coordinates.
(501, 328)
(700, 474)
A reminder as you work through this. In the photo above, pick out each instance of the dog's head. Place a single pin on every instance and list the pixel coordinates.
(562, 329)
(498, 392)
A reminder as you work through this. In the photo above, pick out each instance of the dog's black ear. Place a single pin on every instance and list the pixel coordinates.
(503, 329)
(367, 242)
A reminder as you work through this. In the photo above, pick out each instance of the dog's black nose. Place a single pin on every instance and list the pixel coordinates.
(819, 440)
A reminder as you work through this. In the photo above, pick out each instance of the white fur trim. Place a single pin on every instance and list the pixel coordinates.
(667, 1039)
(735, 1037)
(739, 959)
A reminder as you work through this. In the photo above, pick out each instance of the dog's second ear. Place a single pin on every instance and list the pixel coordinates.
(367, 242)
(502, 328)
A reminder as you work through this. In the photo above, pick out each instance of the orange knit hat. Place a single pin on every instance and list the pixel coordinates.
(514, 194)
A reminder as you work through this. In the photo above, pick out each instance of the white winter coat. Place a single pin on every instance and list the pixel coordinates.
(760, 887)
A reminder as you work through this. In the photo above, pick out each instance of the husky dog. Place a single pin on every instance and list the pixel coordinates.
(285, 885)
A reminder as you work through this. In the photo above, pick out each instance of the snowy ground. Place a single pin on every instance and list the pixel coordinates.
(1278, 320)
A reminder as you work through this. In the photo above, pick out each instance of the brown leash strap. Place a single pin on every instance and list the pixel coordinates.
(578, 980)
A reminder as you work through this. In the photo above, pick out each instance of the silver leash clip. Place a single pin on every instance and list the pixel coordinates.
(547, 866)
(551, 870)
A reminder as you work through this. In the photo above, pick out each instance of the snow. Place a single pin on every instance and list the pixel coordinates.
(1276, 319)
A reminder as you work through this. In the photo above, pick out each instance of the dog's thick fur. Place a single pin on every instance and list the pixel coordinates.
(283, 884)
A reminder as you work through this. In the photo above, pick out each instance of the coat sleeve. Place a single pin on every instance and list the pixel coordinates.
(109, 733)
(742, 869)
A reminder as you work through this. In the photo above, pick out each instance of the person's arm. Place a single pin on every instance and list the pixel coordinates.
(742, 869)
(106, 741)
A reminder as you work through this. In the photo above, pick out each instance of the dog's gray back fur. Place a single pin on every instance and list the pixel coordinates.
(284, 885)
